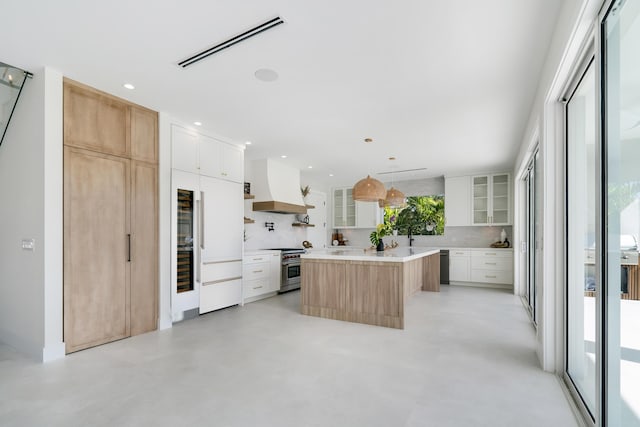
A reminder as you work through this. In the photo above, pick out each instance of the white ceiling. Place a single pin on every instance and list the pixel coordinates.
(446, 85)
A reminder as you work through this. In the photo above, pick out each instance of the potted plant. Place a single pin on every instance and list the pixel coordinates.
(385, 229)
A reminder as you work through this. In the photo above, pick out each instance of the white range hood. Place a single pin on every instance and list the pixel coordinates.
(276, 187)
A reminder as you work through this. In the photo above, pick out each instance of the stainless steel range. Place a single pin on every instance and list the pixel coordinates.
(290, 268)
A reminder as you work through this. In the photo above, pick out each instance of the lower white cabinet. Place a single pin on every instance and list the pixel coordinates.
(261, 275)
(476, 265)
(492, 266)
(221, 285)
(459, 263)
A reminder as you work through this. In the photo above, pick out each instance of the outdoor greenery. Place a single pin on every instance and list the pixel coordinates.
(423, 215)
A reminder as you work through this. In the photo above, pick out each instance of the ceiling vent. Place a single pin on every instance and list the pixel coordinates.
(406, 170)
(230, 42)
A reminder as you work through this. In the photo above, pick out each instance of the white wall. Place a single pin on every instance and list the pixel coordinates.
(572, 29)
(21, 217)
(257, 236)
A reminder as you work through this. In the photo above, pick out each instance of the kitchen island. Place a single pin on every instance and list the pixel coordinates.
(366, 286)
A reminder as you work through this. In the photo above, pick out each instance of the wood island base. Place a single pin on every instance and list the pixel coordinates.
(371, 292)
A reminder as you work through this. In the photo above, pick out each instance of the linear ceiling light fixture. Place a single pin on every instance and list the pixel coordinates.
(230, 42)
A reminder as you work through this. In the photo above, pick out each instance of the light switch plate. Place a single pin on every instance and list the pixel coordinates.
(28, 244)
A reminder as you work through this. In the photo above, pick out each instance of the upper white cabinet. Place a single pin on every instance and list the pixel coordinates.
(201, 154)
(490, 199)
(344, 208)
(184, 149)
(368, 215)
(348, 213)
(457, 196)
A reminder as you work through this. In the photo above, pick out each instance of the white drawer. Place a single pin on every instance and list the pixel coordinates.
(459, 252)
(492, 253)
(489, 276)
(259, 270)
(216, 271)
(253, 288)
(217, 295)
(251, 259)
(488, 263)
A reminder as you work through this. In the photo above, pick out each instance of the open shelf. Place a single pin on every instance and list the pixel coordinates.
(249, 196)
(249, 221)
(302, 224)
(309, 206)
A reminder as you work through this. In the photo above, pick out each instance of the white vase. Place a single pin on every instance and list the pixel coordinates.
(503, 236)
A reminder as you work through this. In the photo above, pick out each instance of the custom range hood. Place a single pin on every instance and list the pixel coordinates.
(276, 187)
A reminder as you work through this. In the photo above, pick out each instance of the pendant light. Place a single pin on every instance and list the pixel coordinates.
(395, 198)
(368, 190)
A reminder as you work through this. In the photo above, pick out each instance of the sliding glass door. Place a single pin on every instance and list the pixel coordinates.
(532, 223)
(621, 214)
(581, 117)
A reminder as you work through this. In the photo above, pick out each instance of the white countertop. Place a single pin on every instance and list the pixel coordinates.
(400, 254)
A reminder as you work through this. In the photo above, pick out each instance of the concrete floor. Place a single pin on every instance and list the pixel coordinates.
(466, 358)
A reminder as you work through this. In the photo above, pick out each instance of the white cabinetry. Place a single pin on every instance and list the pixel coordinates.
(490, 199)
(206, 238)
(261, 275)
(344, 208)
(457, 196)
(201, 154)
(348, 213)
(492, 266)
(459, 265)
(483, 267)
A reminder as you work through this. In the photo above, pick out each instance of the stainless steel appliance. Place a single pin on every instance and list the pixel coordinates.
(290, 268)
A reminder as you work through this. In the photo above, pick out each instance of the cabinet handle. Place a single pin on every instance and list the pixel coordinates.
(489, 263)
(490, 253)
(202, 220)
(128, 247)
(257, 271)
(490, 277)
(257, 259)
(257, 287)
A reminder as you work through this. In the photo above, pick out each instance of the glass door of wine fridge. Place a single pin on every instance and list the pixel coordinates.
(185, 211)
(185, 280)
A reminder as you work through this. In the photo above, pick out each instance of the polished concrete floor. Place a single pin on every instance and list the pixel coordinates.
(466, 358)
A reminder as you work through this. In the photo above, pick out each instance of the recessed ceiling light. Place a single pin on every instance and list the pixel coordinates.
(129, 86)
(309, 167)
(368, 140)
(248, 143)
(330, 174)
(266, 75)
(197, 123)
(283, 156)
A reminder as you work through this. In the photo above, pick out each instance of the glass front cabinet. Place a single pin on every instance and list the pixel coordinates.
(490, 199)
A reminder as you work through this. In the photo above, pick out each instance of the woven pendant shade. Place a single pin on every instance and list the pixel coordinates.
(394, 198)
(368, 190)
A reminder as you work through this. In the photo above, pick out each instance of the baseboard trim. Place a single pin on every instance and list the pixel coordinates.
(483, 285)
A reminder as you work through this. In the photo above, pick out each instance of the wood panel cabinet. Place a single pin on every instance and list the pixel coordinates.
(96, 248)
(110, 218)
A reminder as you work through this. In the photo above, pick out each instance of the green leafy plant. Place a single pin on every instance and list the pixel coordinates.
(386, 228)
(423, 215)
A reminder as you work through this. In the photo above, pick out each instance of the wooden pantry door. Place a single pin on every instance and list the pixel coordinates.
(96, 248)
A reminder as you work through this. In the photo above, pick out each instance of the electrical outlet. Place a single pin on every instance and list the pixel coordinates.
(28, 244)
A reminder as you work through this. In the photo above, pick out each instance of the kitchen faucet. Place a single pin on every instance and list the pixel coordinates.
(411, 239)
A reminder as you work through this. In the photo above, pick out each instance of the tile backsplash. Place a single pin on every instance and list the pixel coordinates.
(453, 237)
